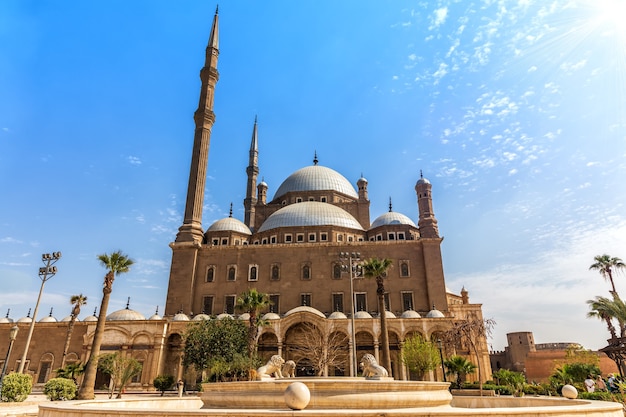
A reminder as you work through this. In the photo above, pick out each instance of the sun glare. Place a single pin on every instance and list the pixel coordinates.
(611, 17)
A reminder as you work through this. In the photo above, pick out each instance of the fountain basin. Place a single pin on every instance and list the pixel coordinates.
(329, 393)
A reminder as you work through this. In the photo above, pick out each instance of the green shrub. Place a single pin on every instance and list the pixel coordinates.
(163, 383)
(60, 389)
(16, 387)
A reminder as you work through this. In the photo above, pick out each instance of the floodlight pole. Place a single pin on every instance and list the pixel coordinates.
(45, 273)
(352, 258)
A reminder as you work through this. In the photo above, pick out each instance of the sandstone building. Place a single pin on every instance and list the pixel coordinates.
(302, 246)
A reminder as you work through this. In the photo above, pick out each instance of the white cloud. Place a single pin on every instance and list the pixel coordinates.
(133, 160)
(438, 17)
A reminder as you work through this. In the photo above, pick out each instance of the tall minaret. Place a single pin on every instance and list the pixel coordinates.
(191, 230)
(427, 222)
(250, 201)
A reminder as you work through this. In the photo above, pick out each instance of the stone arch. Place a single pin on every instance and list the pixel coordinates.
(44, 371)
(267, 345)
(298, 343)
(173, 353)
(364, 344)
(339, 340)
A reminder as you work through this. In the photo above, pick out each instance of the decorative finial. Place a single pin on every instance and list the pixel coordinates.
(127, 303)
(390, 207)
(28, 315)
(434, 306)
(255, 118)
(8, 311)
(315, 161)
(217, 7)
(95, 310)
(157, 311)
(50, 315)
(230, 213)
(421, 175)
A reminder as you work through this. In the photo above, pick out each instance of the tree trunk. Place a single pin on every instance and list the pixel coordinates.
(86, 391)
(70, 329)
(384, 335)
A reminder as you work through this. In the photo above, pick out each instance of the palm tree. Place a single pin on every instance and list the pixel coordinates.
(459, 366)
(377, 268)
(252, 302)
(77, 301)
(606, 265)
(116, 263)
(607, 310)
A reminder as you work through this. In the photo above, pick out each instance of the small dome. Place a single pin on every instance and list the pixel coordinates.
(270, 316)
(316, 178)
(392, 218)
(337, 315)
(305, 309)
(25, 320)
(390, 315)
(125, 315)
(244, 316)
(362, 315)
(201, 317)
(5, 320)
(411, 314)
(224, 316)
(48, 319)
(180, 317)
(310, 213)
(434, 314)
(155, 316)
(66, 319)
(91, 318)
(229, 224)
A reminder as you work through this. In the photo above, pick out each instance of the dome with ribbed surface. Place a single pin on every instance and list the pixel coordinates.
(316, 178)
(362, 315)
(411, 314)
(392, 218)
(310, 213)
(200, 317)
(270, 316)
(48, 319)
(180, 317)
(335, 315)
(229, 224)
(125, 314)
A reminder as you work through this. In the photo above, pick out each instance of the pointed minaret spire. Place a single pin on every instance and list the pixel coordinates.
(390, 206)
(315, 160)
(427, 222)
(8, 311)
(51, 308)
(191, 230)
(28, 315)
(230, 213)
(128, 303)
(250, 201)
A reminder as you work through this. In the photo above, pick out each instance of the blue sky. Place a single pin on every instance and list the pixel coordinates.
(516, 112)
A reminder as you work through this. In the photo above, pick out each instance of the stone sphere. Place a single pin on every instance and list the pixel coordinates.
(297, 396)
(569, 391)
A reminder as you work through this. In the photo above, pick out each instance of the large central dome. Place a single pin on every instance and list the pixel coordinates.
(316, 178)
(310, 213)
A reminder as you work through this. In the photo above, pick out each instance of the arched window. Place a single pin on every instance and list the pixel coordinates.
(232, 272)
(306, 272)
(337, 271)
(275, 272)
(404, 269)
(252, 276)
(210, 274)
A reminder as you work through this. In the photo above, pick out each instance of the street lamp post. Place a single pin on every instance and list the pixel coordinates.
(353, 267)
(12, 336)
(45, 273)
(443, 369)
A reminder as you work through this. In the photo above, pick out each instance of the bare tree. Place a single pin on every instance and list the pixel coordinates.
(323, 347)
(472, 332)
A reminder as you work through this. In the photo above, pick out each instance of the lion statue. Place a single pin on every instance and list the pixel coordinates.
(289, 369)
(371, 368)
(271, 367)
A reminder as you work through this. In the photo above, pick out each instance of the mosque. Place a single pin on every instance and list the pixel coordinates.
(302, 246)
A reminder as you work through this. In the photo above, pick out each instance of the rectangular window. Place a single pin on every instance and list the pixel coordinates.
(275, 272)
(216, 242)
(229, 304)
(361, 301)
(288, 238)
(391, 236)
(323, 237)
(273, 239)
(225, 241)
(275, 303)
(400, 235)
(311, 198)
(264, 241)
(305, 299)
(298, 199)
(300, 237)
(137, 378)
(338, 301)
(44, 371)
(323, 199)
(207, 304)
(407, 301)
(311, 237)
